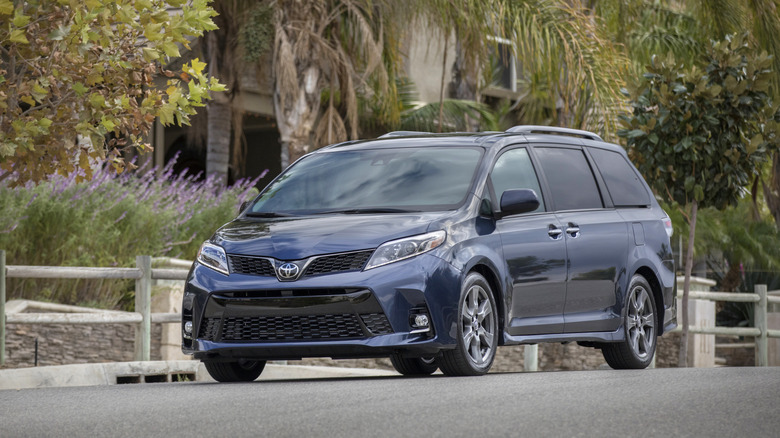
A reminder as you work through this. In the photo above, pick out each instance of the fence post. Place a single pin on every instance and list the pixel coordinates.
(2, 307)
(762, 342)
(531, 357)
(143, 300)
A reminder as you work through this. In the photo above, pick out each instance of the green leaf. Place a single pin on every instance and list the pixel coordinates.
(39, 93)
(6, 7)
(59, 33)
(7, 149)
(653, 138)
(20, 20)
(755, 142)
(44, 123)
(166, 114)
(107, 123)
(152, 31)
(80, 89)
(715, 90)
(18, 36)
(635, 133)
(150, 54)
(698, 193)
(689, 182)
(170, 49)
(97, 100)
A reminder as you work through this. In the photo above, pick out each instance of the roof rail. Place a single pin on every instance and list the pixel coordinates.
(555, 130)
(404, 133)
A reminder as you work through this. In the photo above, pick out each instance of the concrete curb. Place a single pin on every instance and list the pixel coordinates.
(114, 373)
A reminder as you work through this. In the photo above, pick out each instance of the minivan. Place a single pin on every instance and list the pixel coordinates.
(434, 250)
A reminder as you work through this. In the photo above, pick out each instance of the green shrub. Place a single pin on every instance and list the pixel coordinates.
(108, 222)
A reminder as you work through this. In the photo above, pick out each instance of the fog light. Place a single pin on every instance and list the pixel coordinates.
(188, 329)
(421, 321)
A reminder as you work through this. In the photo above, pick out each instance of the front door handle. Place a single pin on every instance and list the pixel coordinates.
(554, 232)
(573, 230)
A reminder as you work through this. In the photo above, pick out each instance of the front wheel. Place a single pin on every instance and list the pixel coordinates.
(235, 371)
(414, 366)
(477, 337)
(637, 349)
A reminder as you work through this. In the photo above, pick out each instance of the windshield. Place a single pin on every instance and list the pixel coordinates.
(372, 181)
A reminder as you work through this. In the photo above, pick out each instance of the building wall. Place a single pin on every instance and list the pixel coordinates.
(424, 63)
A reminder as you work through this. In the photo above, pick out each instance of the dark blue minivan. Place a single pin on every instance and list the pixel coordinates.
(435, 249)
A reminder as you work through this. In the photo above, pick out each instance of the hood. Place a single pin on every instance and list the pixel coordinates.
(295, 238)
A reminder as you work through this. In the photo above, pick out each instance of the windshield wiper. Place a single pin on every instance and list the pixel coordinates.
(267, 214)
(370, 211)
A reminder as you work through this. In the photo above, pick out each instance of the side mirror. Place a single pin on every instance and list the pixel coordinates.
(243, 206)
(516, 201)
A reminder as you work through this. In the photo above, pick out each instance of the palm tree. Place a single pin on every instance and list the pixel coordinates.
(323, 45)
(223, 120)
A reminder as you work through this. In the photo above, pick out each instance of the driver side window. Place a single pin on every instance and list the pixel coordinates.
(514, 170)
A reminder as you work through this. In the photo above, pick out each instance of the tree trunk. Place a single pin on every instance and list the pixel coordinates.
(464, 81)
(683, 358)
(441, 87)
(296, 118)
(219, 126)
(772, 190)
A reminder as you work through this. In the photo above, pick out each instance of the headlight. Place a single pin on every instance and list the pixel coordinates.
(401, 249)
(214, 257)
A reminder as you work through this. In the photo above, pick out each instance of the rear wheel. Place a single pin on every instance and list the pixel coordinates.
(477, 337)
(637, 349)
(414, 366)
(235, 371)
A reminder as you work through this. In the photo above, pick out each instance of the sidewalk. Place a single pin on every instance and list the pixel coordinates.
(114, 373)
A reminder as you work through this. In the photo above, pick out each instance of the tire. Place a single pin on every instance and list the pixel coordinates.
(637, 349)
(477, 334)
(414, 366)
(235, 371)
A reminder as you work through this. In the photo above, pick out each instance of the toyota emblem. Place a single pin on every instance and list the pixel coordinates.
(288, 271)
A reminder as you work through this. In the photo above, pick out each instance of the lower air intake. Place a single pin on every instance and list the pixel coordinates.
(291, 328)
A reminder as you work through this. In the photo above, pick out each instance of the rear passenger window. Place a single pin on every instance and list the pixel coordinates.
(513, 170)
(622, 181)
(571, 181)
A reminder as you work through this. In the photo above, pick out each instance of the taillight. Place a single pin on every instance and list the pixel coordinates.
(668, 225)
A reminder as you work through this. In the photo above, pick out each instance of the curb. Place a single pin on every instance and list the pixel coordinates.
(117, 373)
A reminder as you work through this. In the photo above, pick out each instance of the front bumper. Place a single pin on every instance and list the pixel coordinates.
(341, 315)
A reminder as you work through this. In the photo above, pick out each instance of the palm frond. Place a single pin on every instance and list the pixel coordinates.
(456, 114)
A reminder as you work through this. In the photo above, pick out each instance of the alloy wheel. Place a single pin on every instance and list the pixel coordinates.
(477, 323)
(640, 322)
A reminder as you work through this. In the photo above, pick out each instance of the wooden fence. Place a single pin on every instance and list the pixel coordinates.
(143, 274)
(761, 300)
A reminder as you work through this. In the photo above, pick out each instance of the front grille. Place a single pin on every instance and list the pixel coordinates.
(353, 261)
(377, 323)
(291, 328)
(251, 266)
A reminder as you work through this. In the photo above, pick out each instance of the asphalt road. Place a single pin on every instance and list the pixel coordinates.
(720, 402)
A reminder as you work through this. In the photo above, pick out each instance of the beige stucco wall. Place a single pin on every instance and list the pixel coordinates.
(424, 63)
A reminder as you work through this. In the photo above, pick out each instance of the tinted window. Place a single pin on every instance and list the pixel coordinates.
(622, 181)
(514, 170)
(572, 184)
(423, 179)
